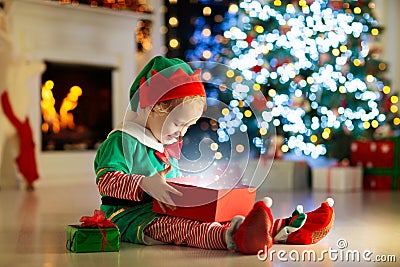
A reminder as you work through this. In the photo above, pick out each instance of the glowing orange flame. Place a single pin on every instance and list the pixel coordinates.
(50, 115)
(69, 103)
(52, 120)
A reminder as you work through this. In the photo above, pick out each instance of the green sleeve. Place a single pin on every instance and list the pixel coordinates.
(110, 155)
(124, 153)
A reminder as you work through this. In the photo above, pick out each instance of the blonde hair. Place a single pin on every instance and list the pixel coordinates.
(168, 105)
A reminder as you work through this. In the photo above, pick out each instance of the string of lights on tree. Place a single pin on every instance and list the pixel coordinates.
(316, 63)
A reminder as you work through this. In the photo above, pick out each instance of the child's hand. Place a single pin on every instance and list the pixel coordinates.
(157, 187)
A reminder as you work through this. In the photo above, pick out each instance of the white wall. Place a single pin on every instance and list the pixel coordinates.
(387, 12)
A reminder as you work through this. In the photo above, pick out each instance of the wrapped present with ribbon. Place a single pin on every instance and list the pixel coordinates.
(380, 160)
(95, 234)
(337, 178)
(278, 175)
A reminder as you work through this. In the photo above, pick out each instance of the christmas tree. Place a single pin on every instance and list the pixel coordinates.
(319, 68)
(228, 93)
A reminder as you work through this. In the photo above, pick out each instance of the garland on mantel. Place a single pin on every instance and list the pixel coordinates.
(140, 6)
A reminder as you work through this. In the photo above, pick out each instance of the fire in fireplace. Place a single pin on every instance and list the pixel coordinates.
(76, 106)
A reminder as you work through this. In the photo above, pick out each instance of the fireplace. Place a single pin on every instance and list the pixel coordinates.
(76, 106)
(73, 41)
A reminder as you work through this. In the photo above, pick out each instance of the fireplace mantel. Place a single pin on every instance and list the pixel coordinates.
(48, 31)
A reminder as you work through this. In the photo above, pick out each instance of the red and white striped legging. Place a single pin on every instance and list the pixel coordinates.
(167, 229)
(179, 231)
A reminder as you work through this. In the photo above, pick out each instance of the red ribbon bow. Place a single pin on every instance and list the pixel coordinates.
(173, 150)
(97, 220)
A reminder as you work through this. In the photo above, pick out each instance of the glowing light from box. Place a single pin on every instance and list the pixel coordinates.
(240, 148)
(214, 146)
(206, 76)
(218, 155)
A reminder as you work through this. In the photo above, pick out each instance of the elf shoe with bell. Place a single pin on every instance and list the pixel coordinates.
(252, 233)
(305, 228)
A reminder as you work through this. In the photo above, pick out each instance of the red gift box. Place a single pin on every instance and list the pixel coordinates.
(373, 154)
(381, 163)
(379, 182)
(209, 204)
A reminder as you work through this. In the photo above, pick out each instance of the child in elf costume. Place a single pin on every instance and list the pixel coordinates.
(133, 163)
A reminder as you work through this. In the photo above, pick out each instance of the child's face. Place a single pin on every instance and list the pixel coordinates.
(168, 127)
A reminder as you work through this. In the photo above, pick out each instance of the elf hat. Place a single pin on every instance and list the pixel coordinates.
(164, 79)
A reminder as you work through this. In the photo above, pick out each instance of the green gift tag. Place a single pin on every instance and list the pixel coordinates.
(100, 239)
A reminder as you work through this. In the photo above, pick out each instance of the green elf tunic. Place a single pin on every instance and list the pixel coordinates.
(131, 150)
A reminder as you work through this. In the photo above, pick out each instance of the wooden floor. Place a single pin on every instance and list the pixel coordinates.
(33, 231)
